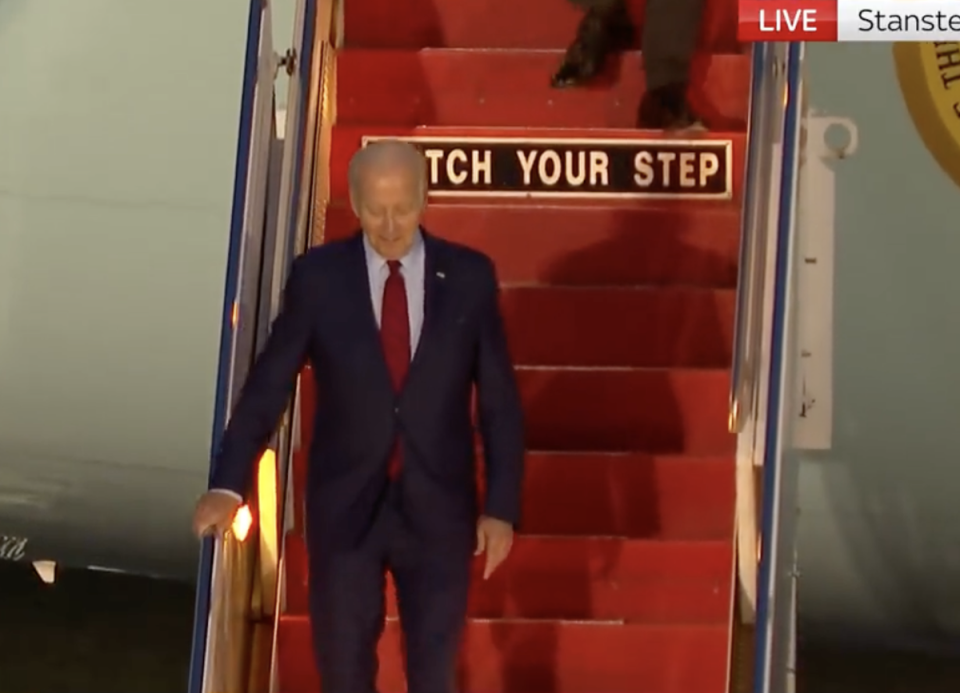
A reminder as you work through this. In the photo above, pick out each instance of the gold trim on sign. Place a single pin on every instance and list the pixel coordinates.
(704, 144)
(586, 141)
(933, 105)
(565, 195)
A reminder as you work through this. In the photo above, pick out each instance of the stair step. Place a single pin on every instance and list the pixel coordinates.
(582, 579)
(523, 656)
(628, 495)
(587, 245)
(632, 495)
(642, 327)
(589, 410)
(665, 411)
(451, 87)
(532, 24)
(648, 410)
(347, 139)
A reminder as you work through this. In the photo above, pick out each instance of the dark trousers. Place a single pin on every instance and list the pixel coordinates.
(347, 605)
(670, 29)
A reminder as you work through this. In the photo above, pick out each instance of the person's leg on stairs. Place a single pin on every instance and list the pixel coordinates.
(605, 29)
(670, 30)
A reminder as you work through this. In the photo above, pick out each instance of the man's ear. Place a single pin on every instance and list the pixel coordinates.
(354, 204)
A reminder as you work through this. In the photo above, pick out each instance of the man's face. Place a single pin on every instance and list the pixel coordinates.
(389, 204)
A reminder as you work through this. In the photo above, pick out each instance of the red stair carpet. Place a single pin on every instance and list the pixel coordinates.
(619, 312)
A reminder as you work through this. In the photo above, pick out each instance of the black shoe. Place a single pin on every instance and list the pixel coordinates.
(600, 35)
(667, 108)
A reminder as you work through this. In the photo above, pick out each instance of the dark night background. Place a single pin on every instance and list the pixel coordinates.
(113, 633)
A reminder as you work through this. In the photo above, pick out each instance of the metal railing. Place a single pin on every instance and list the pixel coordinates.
(227, 580)
(764, 133)
(775, 602)
(765, 128)
(210, 566)
(760, 337)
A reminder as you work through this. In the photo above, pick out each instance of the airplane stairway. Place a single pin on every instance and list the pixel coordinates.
(619, 312)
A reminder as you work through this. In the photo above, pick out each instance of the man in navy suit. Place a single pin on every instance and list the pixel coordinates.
(401, 329)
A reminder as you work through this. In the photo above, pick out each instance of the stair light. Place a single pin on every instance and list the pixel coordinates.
(242, 522)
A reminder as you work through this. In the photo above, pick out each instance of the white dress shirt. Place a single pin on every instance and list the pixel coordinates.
(413, 269)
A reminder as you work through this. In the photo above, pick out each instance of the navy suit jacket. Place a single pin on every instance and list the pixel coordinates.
(327, 319)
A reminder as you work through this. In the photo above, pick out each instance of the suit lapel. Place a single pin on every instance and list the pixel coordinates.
(434, 294)
(363, 309)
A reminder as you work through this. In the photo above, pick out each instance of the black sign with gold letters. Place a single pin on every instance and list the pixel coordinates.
(576, 168)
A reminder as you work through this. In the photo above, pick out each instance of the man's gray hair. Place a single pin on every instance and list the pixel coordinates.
(381, 154)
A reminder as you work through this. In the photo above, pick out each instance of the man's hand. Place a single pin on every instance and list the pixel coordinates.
(495, 537)
(214, 513)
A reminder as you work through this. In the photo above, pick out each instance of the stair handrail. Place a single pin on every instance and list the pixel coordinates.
(773, 608)
(766, 77)
(286, 243)
(763, 289)
(313, 186)
(761, 171)
(319, 16)
(249, 194)
(299, 141)
(302, 64)
(312, 94)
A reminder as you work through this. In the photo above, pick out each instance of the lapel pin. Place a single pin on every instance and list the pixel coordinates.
(441, 275)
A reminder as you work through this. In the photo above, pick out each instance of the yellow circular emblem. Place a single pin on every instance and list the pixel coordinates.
(929, 76)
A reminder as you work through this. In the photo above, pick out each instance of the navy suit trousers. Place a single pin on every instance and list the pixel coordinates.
(347, 603)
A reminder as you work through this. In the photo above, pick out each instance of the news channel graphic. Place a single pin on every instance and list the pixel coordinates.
(848, 20)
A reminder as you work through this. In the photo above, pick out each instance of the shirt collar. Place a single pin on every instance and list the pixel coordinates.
(413, 258)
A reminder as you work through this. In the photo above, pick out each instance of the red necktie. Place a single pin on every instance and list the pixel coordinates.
(395, 337)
